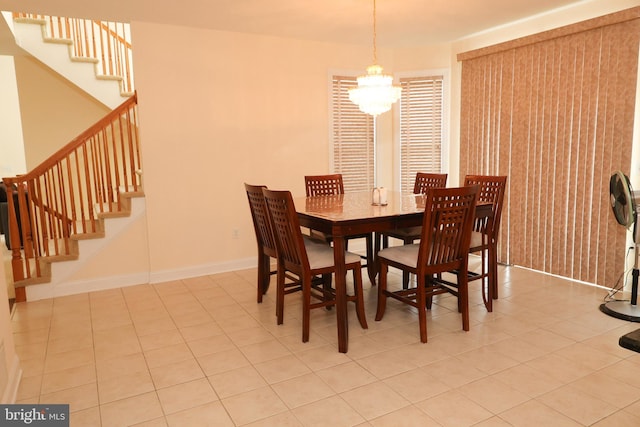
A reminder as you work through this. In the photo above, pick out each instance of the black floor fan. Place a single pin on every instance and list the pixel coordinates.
(624, 203)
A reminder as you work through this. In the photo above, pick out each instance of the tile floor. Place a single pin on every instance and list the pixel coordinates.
(202, 352)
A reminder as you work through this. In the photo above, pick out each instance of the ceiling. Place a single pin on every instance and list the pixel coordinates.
(400, 23)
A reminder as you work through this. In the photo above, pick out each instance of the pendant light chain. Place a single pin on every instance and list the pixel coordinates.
(375, 49)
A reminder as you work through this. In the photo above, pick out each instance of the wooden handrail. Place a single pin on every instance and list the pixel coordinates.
(64, 194)
(106, 42)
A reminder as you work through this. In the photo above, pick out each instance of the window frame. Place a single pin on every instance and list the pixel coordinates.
(445, 120)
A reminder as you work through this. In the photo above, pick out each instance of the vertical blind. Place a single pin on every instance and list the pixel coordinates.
(353, 138)
(555, 113)
(421, 106)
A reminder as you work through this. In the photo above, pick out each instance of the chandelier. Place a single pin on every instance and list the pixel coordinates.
(375, 92)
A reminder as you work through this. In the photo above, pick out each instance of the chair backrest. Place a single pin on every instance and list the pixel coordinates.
(286, 229)
(324, 185)
(491, 190)
(261, 223)
(446, 229)
(429, 180)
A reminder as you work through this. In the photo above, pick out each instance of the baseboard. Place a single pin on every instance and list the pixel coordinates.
(47, 290)
(203, 270)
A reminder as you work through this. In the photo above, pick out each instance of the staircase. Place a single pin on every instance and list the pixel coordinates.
(96, 56)
(69, 198)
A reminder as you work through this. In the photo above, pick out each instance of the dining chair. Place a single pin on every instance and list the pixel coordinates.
(484, 237)
(408, 235)
(329, 185)
(444, 247)
(306, 259)
(264, 237)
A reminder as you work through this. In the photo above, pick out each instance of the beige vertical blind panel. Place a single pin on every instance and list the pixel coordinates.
(555, 113)
(353, 138)
(421, 106)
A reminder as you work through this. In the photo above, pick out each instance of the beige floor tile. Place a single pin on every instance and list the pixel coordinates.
(122, 387)
(284, 419)
(236, 381)
(264, 351)
(619, 419)
(608, 389)
(387, 364)
(176, 373)
(493, 395)
(454, 373)
(168, 355)
(68, 378)
(577, 405)
(253, 405)
(416, 385)
(528, 380)
(87, 418)
(30, 388)
(409, 416)
(210, 345)
(210, 414)
(487, 361)
(203, 330)
(374, 400)
(158, 422)
(121, 366)
(70, 359)
(185, 396)
(453, 409)
(281, 369)
(536, 414)
(160, 339)
(78, 398)
(222, 361)
(329, 412)
(346, 376)
(322, 357)
(302, 390)
(131, 411)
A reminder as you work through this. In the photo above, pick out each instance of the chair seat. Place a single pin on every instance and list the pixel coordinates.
(321, 255)
(405, 254)
(403, 233)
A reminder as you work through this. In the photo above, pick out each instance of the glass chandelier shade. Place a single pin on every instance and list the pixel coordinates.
(375, 93)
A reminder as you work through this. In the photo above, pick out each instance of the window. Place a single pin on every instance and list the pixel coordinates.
(421, 127)
(353, 137)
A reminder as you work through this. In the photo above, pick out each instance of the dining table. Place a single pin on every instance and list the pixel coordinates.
(353, 213)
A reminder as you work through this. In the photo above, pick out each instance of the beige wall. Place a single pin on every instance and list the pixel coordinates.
(53, 110)
(223, 109)
(12, 161)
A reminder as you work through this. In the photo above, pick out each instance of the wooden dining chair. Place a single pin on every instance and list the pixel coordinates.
(484, 237)
(408, 235)
(329, 185)
(443, 247)
(306, 259)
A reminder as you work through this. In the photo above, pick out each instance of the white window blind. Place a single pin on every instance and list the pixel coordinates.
(421, 109)
(353, 138)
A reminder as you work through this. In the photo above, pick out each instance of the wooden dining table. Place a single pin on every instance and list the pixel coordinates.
(351, 214)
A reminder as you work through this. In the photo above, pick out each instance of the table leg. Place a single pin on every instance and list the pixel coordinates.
(341, 293)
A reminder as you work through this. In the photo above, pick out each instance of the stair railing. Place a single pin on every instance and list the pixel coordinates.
(64, 195)
(107, 42)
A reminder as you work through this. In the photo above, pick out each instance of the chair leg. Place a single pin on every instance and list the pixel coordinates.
(371, 263)
(357, 289)
(463, 298)
(406, 276)
(382, 289)
(306, 307)
(280, 294)
(422, 309)
(493, 269)
(326, 289)
(264, 275)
